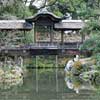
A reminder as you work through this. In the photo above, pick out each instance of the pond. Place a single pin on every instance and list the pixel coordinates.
(51, 85)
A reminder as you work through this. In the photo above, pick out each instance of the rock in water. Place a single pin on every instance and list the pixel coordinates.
(69, 66)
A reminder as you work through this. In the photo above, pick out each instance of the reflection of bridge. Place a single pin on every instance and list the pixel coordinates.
(41, 48)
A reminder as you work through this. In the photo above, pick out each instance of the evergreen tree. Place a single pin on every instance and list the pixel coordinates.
(9, 8)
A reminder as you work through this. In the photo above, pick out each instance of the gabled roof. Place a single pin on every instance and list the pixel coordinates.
(44, 14)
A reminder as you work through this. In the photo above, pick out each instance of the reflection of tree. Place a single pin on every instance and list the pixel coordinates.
(73, 83)
(77, 84)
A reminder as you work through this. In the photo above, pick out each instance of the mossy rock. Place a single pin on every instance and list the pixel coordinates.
(77, 65)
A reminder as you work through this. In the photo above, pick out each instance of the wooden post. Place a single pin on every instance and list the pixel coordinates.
(21, 62)
(5, 62)
(51, 35)
(83, 38)
(62, 37)
(24, 36)
(35, 31)
(16, 59)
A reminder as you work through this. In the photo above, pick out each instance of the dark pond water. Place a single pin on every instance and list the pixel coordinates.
(50, 85)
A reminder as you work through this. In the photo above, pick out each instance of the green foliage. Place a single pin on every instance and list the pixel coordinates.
(29, 37)
(92, 44)
(83, 9)
(97, 57)
(88, 45)
(91, 27)
(16, 8)
(57, 12)
(77, 8)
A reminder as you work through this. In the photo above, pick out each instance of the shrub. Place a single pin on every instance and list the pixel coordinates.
(92, 44)
(77, 65)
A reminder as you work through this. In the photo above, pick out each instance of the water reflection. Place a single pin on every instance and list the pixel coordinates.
(51, 85)
(79, 76)
(78, 83)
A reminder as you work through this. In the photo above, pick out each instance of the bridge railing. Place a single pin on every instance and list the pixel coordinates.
(70, 45)
(44, 46)
(56, 45)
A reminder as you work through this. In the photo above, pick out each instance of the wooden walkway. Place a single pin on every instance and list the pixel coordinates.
(39, 49)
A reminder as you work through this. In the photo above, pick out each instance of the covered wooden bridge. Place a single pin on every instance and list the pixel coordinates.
(47, 22)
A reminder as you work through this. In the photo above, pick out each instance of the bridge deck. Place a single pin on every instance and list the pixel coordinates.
(42, 46)
(39, 48)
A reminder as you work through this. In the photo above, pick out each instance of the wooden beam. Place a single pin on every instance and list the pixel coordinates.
(62, 37)
(15, 24)
(23, 25)
(35, 34)
(51, 34)
(70, 25)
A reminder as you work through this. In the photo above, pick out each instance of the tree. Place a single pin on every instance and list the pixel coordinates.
(77, 8)
(16, 8)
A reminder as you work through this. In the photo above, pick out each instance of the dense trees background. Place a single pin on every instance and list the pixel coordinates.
(78, 9)
(11, 9)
